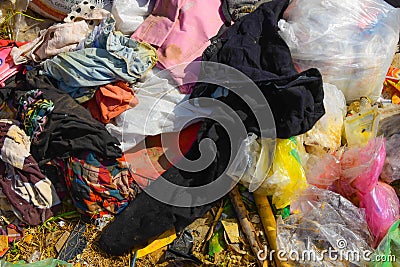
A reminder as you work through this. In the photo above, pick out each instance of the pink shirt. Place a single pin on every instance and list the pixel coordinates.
(181, 30)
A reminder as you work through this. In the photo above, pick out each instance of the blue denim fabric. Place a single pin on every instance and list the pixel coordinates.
(105, 58)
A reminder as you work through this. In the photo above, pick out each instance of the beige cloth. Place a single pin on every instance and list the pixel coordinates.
(53, 41)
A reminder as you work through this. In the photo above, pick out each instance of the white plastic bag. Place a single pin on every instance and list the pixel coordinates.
(129, 14)
(161, 109)
(352, 42)
(327, 132)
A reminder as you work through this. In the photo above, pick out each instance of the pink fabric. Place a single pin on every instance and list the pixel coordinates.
(7, 66)
(181, 30)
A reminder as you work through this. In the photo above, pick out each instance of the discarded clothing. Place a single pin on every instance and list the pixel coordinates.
(70, 128)
(58, 10)
(127, 230)
(254, 47)
(181, 30)
(52, 41)
(153, 156)
(161, 109)
(99, 187)
(32, 195)
(129, 14)
(233, 10)
(33, 111)
(89, 12)
(15, 144)
(111, 100)
(106, 57)
(7, 66)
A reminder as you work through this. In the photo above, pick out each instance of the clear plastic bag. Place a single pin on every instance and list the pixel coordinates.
(323, 171)
(327, 132)
(382, 209)
(323, 221)
(391, 168)
(253, 161)
(352, 42)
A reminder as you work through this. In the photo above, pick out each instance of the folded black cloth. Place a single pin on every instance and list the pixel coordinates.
(253, 46)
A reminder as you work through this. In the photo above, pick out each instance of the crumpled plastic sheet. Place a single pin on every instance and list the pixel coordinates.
(327, 132)
(391, 168)
(360, 169)
(323, 221)
(323, 171)
(253, 161)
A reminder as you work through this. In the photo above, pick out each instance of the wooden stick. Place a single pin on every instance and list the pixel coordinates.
(246, 225)
(212, 227)
(269, 223)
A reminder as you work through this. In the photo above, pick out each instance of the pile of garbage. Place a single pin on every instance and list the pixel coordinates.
(219, 132)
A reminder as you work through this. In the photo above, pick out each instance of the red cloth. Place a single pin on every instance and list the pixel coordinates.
(147, 160)
(7, 66)
(111, 100)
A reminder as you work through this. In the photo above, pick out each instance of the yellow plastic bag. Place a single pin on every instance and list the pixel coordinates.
(287, 177)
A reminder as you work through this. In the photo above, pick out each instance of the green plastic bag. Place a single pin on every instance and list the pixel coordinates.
(44, 263)
(387, 254)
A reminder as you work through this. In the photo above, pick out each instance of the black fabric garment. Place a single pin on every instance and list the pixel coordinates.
(70, 129)
(395, 3)
(233, 10)
(146, 218)
(254, 47)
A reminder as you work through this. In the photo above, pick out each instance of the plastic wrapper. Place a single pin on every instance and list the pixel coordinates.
(253, 161)
(286, 177)
(327, 132)
(391, 168)
(323, 171)
(381, 208)
(324, 221)
(360, 169)
(391, 85)
(129, 14)
(388, 249)
(282, 180)
(352, 42)
(361, 127)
